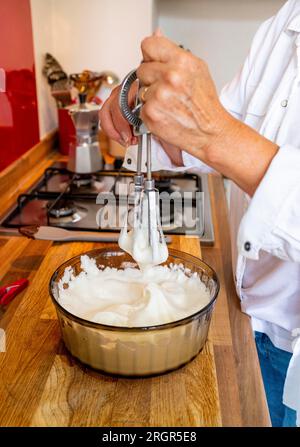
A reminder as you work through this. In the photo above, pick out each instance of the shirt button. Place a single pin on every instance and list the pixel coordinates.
(247, 246)
(129, 161)
(284, 103)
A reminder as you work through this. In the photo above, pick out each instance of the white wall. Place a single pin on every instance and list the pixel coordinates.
(100, 34)
(106, 34)
(219, 31)
(87, 34)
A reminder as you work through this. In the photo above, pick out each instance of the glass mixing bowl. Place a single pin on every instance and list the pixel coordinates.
(135, 351)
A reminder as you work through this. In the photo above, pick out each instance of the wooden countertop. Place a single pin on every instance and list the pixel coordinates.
(42, 385)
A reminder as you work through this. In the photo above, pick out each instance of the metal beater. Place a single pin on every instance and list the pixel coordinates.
(143, 187)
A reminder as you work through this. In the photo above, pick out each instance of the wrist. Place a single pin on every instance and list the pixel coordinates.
(240, 153)
(225, 131)
(173, 152)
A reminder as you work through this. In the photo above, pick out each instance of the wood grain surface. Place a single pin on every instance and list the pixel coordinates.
(42, 385)
(22, 173)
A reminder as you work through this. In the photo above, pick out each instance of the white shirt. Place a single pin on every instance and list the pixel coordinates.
(265, 230)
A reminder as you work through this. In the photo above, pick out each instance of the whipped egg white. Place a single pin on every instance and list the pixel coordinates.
(132, 297)
(136, 241)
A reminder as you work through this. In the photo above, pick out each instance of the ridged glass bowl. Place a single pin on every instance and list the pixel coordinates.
(135, 351)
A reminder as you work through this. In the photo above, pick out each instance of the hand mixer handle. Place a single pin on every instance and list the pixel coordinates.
(131, 115)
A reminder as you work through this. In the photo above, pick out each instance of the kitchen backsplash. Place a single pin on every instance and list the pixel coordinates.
(19, 129)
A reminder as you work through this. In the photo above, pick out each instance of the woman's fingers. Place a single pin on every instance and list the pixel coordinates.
(150, 72)
(112, 121)
(107, 124)
(158, 93)
(154, 98)
(121, 124)
(159, 49)
(115, 126)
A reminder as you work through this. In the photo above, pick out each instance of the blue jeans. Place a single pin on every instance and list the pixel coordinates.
(274, 363)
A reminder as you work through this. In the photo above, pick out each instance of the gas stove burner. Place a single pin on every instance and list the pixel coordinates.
(85, 185)
(63, 208)
(66, 212)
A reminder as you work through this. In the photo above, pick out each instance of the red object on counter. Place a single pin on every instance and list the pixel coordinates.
(66, 131)
(8, 293)
(19, 129)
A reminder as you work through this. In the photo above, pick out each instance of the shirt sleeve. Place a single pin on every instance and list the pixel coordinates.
(161, 161)
(272, 220)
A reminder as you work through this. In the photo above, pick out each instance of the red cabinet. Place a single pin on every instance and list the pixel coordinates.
(19, 129)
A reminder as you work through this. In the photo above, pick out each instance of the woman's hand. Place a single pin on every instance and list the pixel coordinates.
(181, 102)
(112, 122)
(182, 108)
(117, 128)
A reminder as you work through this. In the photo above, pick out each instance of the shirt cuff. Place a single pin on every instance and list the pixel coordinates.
(190, 162)
(160, 160)
(272, 221)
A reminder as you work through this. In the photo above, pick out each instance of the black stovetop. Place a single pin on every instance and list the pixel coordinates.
(75, 202)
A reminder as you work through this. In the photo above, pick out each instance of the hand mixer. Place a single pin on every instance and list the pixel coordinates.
(144, 188)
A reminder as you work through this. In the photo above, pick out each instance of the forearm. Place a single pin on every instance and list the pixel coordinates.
(235, 150)
(238, 152)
